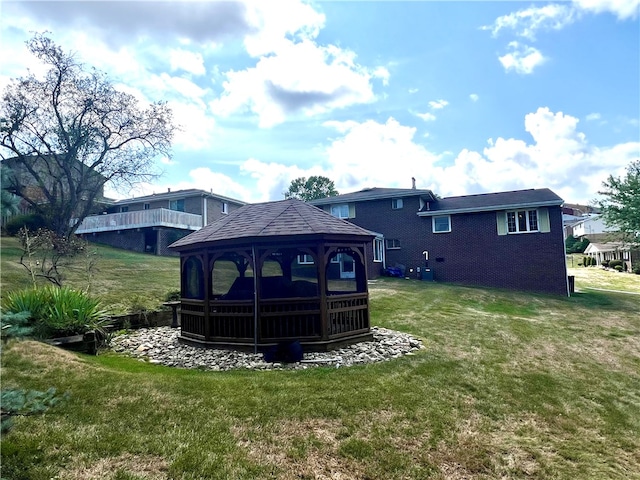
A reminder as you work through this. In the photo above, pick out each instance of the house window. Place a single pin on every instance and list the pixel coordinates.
(305, 259)
(124, 209)
(441, 224)
(225, 207)
(177, 205)
(378, 250)
(147, 206)
(340, 211)
(392, 243)
(522, 221)
(396, 203)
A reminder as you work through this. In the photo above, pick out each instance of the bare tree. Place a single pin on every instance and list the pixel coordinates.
(66, 135)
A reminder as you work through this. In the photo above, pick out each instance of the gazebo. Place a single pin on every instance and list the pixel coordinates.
(275, 272)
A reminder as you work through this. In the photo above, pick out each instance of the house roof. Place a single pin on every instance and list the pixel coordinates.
(485, 202)
(374, 194)
(284, 219)
(607, 247)
(178, 194)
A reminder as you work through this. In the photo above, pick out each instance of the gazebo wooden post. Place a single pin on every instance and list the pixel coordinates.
(257, 275)
(206, 276)
(322, 287)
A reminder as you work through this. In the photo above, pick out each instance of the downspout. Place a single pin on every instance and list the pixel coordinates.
(204, 211)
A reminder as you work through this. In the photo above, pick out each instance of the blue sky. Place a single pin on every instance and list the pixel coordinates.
(467, 97)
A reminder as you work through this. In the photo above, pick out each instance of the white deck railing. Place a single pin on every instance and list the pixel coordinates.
(158, 217)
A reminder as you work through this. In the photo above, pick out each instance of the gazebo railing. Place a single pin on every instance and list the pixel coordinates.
(232, 321)
(347, 314)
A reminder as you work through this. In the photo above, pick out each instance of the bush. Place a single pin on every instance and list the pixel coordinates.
(618, 268)
(31, 221)
(586, 261)
(605, 263)
(57, 312)
(615, 264)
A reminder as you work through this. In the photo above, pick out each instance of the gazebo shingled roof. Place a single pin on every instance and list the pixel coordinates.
(271, 219)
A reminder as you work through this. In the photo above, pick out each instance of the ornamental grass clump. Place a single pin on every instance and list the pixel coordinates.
(57, 312)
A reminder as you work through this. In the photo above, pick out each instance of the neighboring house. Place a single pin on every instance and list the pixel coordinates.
(22, 181)
(593, 227)
(507, 240)
(614, 251)
(151, 223)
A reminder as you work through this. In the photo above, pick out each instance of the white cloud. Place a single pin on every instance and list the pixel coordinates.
(593, 116)
(186, 60)
(202, 178)
(438, 104)
(302, 78)
(522, 59)
(374, 154)
(623, 9)
(526, 23)
(560, 158)
(474, 97)
(427, 116)
(274, 23)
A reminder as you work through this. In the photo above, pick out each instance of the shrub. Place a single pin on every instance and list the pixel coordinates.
(14, 325)
(615, 264)
(618, 268)
(172, 296)
(605, 263)
(31, 221)
(57, 312)
(586, 261)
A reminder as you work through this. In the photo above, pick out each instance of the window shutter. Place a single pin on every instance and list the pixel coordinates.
(543, 220)
(501, 220)
(352, 210)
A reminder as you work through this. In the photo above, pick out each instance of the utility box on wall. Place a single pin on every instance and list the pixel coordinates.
(427, 274)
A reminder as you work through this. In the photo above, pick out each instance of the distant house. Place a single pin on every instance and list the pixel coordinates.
(592, 227)
(151, 223)
(31, 175)
(605, 252)
(507, 239)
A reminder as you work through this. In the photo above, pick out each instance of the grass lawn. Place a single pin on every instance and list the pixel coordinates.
(510, 385)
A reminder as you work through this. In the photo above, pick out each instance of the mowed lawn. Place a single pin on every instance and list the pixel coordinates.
(510, 385)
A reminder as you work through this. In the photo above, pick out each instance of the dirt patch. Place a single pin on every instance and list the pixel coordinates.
(299, 449)
(143, 466)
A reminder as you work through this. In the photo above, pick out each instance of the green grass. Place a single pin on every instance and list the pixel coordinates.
(510, 385)
(121, 279)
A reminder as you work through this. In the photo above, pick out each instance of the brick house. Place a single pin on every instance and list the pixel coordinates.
(153, 222)
(507, 240)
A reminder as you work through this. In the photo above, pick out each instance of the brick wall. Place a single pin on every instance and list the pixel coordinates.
(472, 253)
(127, 239)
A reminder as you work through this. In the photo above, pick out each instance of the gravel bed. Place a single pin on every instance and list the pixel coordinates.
(160, 346)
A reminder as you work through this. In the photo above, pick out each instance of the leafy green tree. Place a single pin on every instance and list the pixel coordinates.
(311, 188)
(66, 135)
(621, 205)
